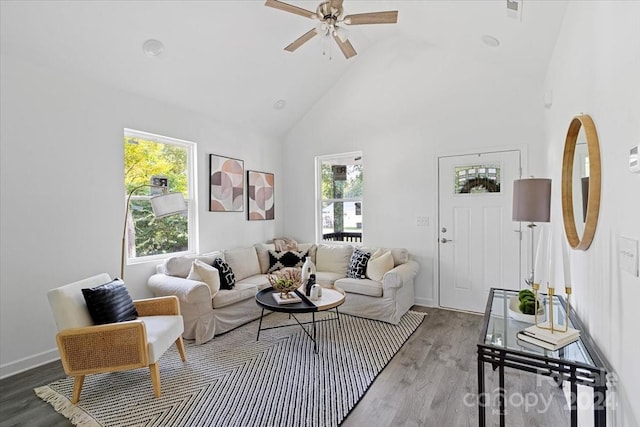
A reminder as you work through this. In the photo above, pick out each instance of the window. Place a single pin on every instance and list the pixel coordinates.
(339, 205)
(157, 160)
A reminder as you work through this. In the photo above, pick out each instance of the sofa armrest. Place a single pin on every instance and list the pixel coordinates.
(400, 274)
(189, 291)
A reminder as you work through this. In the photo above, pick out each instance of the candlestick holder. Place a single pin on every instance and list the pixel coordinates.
(550, 326)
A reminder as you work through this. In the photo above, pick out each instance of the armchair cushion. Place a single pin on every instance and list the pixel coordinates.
(109, 303)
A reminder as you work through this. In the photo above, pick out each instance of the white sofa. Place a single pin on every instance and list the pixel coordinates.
(206, 316)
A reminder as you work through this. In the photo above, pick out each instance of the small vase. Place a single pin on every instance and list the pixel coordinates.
(308, 268)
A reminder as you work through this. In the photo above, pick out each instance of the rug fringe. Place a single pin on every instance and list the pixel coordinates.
(62, 405)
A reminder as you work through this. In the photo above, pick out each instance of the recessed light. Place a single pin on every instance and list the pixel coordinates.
(490, 41)
(153, 47)
(279, 104)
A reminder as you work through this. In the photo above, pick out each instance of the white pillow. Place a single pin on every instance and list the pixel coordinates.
(377, 254)
(377, 267)
(206, 273)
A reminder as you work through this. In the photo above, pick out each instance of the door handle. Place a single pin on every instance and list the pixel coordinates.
(445, 240)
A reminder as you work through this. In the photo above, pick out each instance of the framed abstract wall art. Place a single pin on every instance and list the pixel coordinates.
(226, 184)
(260, 200)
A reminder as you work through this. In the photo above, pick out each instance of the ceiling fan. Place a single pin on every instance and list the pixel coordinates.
(330, 22)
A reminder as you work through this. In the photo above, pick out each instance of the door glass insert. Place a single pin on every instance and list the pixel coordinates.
(475, 179)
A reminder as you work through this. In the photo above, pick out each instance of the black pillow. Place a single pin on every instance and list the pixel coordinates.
(227, 278)
(282, 259)
(110, 303)
(358, 264)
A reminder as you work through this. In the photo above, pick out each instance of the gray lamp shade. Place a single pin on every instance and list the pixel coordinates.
(532, 199)
(168, 204)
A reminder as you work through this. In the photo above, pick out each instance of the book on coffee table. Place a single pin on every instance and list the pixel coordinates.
(293, 298)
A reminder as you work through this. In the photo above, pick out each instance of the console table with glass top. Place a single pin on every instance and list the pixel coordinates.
(578, 363)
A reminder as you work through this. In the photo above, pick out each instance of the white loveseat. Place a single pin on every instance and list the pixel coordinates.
(206, 315)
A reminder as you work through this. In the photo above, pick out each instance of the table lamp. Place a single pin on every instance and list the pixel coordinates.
(532, 203)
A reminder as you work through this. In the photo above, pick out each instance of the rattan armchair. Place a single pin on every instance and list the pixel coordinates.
(86, 348)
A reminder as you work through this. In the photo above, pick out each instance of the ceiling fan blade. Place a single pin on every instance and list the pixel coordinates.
(290, 8)
(336, 4)
(301, 40)
(346, 47)
(389, 17)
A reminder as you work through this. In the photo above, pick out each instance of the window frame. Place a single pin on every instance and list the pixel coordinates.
(190, 198)
(319, 200)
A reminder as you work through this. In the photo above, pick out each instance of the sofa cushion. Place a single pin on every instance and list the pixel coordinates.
(378, 266)
(243, 262)
(282, 259)
(179, 266)
(227, 278)
(110, 303)
(334, 259)
(327, 278)
(358, 264)
(205, 273)
(261, 281)
(311, 248)
(262, 250)
(360, 286)
(241, 292)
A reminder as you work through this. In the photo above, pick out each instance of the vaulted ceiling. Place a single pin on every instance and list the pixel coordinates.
(225, 59)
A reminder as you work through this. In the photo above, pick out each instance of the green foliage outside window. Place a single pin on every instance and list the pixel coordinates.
(143, 160)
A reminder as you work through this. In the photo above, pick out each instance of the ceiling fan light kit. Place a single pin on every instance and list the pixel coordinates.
(329, 14)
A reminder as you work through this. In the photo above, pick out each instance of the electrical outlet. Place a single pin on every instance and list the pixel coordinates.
(628, 255)
(422, 221)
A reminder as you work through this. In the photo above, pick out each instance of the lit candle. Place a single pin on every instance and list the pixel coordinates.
(566, 264)
(550, 254)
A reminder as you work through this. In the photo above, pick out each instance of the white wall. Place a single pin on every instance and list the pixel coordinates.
(595, 70)
(403, 113)
(63, 191)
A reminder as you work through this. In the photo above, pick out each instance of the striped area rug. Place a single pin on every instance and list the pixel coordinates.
(235, 380)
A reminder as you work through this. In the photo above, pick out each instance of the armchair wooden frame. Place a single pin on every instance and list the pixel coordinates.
(115, 347)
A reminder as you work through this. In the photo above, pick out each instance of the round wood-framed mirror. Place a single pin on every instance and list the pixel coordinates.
(581, 177)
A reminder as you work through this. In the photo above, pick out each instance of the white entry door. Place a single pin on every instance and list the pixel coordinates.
(478, 248)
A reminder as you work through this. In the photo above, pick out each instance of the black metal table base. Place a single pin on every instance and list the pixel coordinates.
(313, 322)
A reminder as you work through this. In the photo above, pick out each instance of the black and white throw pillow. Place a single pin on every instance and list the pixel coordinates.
(227, 278)
(358, 264)
(110, 303)
(282, 259)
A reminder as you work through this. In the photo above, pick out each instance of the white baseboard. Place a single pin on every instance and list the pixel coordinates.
(24, 364)
(424, 302)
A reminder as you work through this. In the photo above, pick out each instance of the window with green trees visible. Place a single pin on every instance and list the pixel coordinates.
(340, 181)
(148, 160)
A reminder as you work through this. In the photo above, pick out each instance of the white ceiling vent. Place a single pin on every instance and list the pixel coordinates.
(514, 9)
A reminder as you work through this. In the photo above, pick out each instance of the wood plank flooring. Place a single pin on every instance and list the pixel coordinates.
(432, 381)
